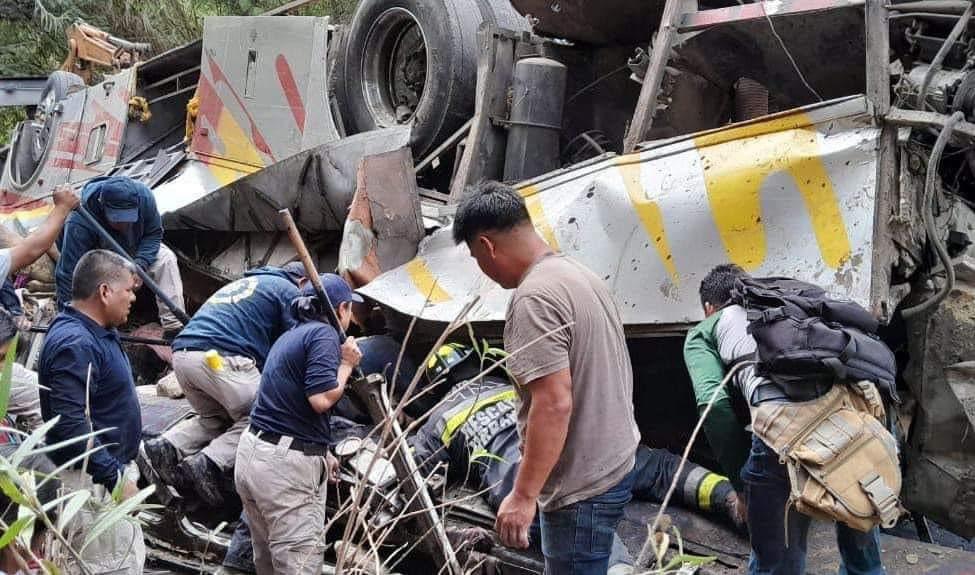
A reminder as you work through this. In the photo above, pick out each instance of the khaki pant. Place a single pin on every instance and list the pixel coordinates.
(120, 549)
(283, 492)
(222, 400)
(165, 272)
(25, 401)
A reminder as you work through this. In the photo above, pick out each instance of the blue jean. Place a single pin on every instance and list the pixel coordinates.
(767, 493)
(577, 539)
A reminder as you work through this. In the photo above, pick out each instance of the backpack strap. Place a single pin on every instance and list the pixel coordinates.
(838, 364)
(882, 497)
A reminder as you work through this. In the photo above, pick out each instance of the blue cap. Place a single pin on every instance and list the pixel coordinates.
(119, 198)
(336, 288)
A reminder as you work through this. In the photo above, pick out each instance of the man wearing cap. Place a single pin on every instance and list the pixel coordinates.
(218, 358)
(127, 210)
(283, 460)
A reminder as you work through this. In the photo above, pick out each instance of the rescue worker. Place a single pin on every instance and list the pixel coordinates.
(283, 460)
(564, 336)
(778, 531)
(24, 400)
(126, 209)
(87, 383)
(236, 327)
(473, 433)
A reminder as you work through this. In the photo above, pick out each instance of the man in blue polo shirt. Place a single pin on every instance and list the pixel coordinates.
(283, 461)
(87, 383)
(127, 209)
(236, 327)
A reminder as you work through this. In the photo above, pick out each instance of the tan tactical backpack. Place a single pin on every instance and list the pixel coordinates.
(842, 461)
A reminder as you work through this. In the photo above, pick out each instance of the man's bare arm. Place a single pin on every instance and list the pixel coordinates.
(548, 425)
(33, 246)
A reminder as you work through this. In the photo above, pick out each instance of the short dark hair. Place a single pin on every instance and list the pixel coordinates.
(8, 328)
(489, 206)
(716, 286)
(95, 268)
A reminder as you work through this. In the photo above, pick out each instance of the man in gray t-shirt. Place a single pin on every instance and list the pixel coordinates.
(568, 354)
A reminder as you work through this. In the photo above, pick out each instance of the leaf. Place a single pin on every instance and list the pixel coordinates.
(11, 490)
(50, 567)
(31, 441)
(6, 375)
(78, 499)
(695, 560)
(119, 513)
(54, 474)
(14, 530)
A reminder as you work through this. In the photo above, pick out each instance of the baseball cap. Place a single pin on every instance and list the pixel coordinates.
(120, 200)
(336, 288)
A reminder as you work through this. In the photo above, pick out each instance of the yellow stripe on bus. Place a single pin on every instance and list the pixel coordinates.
(533, 201)
(735, 171)
(424, 281)
(648, 211)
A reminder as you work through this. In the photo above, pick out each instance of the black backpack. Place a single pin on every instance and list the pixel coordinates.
(807, 340)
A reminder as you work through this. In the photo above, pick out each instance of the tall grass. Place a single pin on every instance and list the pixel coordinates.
(68, 537)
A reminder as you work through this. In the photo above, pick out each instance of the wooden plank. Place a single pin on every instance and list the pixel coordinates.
(646, 105)
(878, 56)
(919, 119)
(888, 190)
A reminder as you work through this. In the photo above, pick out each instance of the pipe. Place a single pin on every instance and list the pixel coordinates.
(936, 6)
(180, 314)
(933, 161)
(959, 27)
(122, 336)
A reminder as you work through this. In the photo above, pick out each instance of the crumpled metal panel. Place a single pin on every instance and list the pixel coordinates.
(939, 478)
(316, 184)
(384, 225)
(788, 195)
(263, 89)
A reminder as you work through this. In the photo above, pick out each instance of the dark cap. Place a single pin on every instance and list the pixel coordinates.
(119, 197)
(336, 288)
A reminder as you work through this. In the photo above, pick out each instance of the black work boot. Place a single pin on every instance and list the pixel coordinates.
(199, 473)
(163, 457)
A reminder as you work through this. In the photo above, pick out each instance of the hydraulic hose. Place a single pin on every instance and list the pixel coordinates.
(928, 215)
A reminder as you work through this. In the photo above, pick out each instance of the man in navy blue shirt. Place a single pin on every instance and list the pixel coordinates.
(218, 358)
(83, 369)
(283, 463)
(127, 209)
(82, 352)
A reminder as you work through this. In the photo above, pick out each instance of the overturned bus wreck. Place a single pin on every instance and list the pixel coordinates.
(827, 140)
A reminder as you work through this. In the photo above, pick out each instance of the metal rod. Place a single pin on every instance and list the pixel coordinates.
(646, 105)
(946, 47)
(311, 272)
(122, 336)
(452, 140)
(180, 314)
